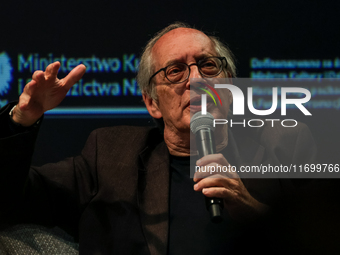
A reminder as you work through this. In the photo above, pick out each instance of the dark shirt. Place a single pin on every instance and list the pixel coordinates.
(191, 230)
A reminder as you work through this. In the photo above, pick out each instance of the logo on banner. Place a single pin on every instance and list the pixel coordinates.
(208, 92)
(239, 104)
(5, 73)
(238, 99)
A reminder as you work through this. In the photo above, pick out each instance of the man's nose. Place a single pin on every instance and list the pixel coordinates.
(194, 73)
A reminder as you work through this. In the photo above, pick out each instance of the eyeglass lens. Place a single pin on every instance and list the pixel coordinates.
(208, 67)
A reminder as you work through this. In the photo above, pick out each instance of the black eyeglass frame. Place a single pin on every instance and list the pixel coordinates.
(193, 64)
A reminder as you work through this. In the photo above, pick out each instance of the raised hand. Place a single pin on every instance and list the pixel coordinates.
(44, 93)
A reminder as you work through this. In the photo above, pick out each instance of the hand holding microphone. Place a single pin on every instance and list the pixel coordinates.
(203, 129)
(221, 189)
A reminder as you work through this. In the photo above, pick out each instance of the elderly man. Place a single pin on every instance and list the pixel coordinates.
(129, 192)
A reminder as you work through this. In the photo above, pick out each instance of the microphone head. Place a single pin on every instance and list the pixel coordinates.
(199, 121)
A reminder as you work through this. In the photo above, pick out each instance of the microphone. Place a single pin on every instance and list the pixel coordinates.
(203, 129)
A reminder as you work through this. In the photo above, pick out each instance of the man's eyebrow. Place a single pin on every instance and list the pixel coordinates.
(173, 61)
(199, 57)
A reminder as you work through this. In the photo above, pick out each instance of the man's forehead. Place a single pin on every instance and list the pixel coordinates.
(181, 31)
(181, 40)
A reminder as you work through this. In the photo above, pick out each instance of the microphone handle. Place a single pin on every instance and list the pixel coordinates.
(205, 143)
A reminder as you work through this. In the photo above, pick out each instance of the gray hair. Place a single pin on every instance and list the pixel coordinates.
(146, 65)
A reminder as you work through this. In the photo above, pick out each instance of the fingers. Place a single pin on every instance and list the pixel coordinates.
(214, 164)
(218, 192)
(44, 92)
(216, 177)
(25, 97)
(212, 158)
(29, 86)
(51, 73)
(221, 187)
(74, 76)
(38, 76)
(52, 70)
(212, 170)
(23, 101)
(216, 181)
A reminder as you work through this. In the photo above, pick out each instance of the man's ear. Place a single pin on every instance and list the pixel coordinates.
(152, 107)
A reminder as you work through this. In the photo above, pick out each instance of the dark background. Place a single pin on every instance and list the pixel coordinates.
(276, 29)
(288, 29)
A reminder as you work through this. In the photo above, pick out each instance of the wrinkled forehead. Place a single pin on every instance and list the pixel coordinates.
(181, 44)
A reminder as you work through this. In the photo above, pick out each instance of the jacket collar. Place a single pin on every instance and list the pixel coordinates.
(153, 196)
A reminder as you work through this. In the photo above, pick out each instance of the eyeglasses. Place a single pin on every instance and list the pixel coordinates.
(180, 72)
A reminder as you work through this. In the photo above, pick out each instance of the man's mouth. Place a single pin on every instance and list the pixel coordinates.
(195, 103)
